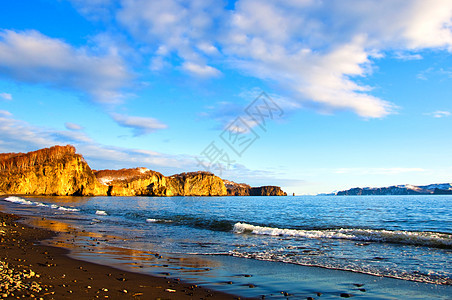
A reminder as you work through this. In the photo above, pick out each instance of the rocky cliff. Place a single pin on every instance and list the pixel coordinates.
(144, 182)
(52, 171)
(195, 184)
(242, 189)
(60, 171)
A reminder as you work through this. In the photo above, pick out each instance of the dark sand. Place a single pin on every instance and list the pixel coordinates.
(56, 276)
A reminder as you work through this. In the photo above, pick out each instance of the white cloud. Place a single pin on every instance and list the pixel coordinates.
(20, 136)
(73, 126)
(94, 9)
(447, 73)
(176, 27)
(319, 50)
(207, 48)
(5, 113)
(315, 52)
(35, 58)
(200, 70)
(140, 125)
(6, 96)
(407, 56)
(439, 114)
(431, 72)
(16, 135)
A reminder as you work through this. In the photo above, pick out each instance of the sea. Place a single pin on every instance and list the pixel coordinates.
(294, 247)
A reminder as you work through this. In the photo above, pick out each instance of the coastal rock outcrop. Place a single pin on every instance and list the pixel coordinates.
(60, 171)
(195, 184)
(242, 189)
(267, 190)
(145, 182)
(51, 171)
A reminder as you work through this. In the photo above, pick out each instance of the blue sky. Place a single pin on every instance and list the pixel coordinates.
(358, 93)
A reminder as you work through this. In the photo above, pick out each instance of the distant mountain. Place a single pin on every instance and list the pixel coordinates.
(406, 189)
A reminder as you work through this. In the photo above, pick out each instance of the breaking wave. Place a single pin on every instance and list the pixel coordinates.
(158, 221)
(18, 200)
(428, 239)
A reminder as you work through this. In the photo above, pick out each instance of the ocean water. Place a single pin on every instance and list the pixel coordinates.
(372, 239)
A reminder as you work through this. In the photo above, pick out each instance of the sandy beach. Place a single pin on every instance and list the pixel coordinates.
(29, 269)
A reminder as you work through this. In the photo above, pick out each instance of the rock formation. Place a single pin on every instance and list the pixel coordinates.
(144, 182)
(60, 171)
(52, 171)
(242, 189)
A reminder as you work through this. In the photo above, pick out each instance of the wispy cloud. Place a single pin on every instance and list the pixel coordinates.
(32, 57)
(407, 56)
(201, 70)
(72, 126)
(430, 72)
(5, 113)
(6, 96)
(439, 114)
(20, 136)
(140, 125)
(172, 27)
(314, 51)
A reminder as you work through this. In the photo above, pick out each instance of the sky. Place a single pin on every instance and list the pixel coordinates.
(313, 96)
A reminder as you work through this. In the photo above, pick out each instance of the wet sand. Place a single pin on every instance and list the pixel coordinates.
(29, 269)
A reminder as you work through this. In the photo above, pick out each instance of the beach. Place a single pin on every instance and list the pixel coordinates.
(208, 247)
(47, 272)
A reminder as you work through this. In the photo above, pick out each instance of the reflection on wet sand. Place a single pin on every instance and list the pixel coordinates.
(99, 248)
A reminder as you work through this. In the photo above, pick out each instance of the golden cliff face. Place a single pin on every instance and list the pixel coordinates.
(52, 171)
(60, 171)
(195, 184)
(130, 182)
(144, 182)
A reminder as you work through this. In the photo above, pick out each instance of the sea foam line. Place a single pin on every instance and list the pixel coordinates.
(430, 239)
(18, 200)
(158, 221)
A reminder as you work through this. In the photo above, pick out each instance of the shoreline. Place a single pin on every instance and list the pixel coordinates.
(236, 276)
(49, 273)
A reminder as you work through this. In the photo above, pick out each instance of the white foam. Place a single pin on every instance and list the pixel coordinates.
(101, 213)
(405, 237)
(22, 201)
(158, 220)
(19, 200)
(67, 208)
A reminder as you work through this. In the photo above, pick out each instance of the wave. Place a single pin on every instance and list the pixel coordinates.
(158, 221)
(428, 239)
(18, 200)
(195, 222)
